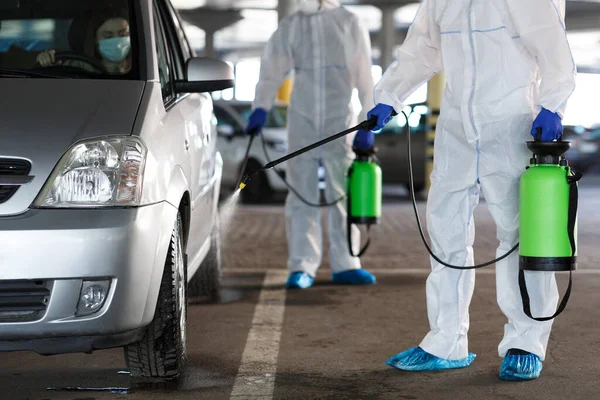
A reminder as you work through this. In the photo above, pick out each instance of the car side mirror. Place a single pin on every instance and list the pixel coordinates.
(205, 75)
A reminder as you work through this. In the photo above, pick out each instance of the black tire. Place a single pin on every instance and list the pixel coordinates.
(419, 187)
(162, 352)
(258, 190)
(206, 282)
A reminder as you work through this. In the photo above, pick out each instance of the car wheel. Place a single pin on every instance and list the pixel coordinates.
(258, 190)
(419, 187)
(206, 282)
(162, 352)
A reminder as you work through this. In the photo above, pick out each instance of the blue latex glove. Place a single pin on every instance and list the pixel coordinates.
(550, 124)
(256, 121)
(383, 112)
(364, 140)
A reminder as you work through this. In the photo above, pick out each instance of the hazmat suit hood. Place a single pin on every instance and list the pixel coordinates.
(313, 6)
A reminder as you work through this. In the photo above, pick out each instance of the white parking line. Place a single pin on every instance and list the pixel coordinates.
(390, 271)
(256, 375)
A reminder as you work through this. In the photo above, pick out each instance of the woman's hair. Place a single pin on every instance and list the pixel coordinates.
(83, 30)
(104, 15)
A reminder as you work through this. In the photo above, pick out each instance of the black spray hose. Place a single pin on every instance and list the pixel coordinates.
(291, 188)
(414, 202)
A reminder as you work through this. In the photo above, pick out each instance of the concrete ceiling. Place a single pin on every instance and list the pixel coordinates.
(575, 5)
(253, 22)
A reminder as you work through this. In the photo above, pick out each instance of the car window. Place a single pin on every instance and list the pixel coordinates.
(91, 39)
(226, 123)
(186, 50)
(172, 41)
(164, 70)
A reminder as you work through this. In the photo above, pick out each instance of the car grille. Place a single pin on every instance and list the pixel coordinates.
(23, 300)
(10, 168)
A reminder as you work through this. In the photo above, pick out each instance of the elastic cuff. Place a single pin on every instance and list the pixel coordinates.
(390, 99)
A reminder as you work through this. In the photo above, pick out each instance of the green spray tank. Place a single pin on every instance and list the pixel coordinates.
(363, 195)
(548, 217)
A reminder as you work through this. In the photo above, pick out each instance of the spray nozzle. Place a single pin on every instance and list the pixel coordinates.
(244, 181)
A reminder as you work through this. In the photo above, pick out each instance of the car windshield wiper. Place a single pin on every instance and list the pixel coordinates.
(23, 73)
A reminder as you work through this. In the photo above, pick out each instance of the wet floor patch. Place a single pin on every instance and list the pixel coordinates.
(113, 390)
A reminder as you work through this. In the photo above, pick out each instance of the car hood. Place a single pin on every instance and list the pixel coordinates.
(275, 134)
(42, 118)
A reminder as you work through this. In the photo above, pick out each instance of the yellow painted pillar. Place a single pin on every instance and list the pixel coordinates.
(285, 91)
(435, 91)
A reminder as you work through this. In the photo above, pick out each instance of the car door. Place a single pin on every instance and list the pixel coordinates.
(191, 114)
(230, 143)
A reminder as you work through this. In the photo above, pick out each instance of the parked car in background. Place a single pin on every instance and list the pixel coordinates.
(232, 143)
(391, 146)
(109, 186)
(232, 117)
(584, 154)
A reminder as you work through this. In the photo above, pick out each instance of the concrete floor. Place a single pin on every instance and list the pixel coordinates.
(330, 342)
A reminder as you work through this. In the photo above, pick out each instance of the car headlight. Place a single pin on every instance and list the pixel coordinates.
(588, 147)
(98, 173)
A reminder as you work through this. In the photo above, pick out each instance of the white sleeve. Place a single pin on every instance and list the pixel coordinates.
(360, 64)
(276, 63)
(417, 60)
(540, 24)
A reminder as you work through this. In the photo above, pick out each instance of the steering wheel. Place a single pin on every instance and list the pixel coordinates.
(71, 56)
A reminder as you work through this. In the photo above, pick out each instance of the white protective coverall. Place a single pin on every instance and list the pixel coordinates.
(494, 54)
(330, 53)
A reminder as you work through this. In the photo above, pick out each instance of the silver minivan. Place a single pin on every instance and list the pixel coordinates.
(109, 179)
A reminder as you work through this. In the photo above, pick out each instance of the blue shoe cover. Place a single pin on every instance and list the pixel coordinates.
(519, 365)
(354, 277)
(299, 280)
(417, 359)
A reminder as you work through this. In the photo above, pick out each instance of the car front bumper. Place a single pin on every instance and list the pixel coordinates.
(55, 251)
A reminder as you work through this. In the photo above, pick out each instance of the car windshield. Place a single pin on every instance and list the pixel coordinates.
(276, 118)
(67, 39)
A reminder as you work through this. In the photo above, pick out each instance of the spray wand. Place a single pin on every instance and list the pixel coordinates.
(367, 125)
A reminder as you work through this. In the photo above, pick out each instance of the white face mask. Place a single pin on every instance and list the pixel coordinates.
(310, 6)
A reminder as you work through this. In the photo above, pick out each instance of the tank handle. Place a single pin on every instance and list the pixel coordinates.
(538, 136)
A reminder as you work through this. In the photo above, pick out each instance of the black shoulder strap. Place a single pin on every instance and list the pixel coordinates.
(349, 232)
(365, 247)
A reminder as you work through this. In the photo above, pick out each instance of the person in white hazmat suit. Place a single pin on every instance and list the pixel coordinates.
(509, 72)
(329, 50)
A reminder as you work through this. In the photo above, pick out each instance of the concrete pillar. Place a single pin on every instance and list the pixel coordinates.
(211, 21)
(387, 36)
(285, 8)
(209, 43)
(435, 91)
